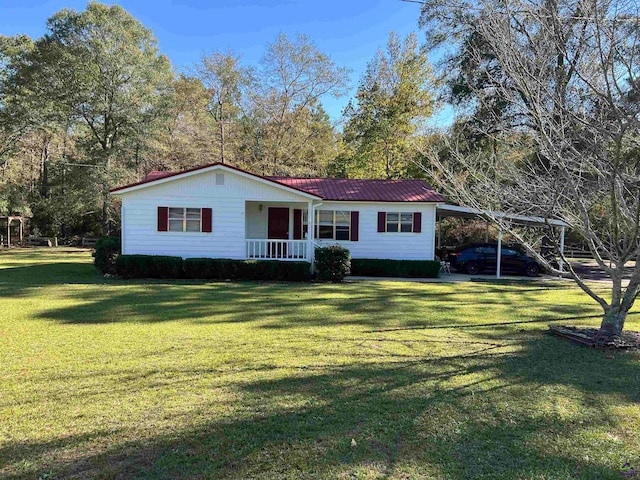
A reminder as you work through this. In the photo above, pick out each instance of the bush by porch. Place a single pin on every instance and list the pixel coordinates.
(167, 267)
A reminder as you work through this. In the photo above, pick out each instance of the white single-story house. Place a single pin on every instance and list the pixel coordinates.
(219, 211)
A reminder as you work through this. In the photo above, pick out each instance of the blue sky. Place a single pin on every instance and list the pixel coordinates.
(349, 31)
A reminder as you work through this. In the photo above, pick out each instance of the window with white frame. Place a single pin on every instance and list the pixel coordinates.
(399, 222)
(329, 224)
(185, 219)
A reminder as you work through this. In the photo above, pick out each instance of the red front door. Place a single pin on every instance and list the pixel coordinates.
(278, 229)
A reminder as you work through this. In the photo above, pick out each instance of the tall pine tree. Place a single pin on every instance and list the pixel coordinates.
(393, 101)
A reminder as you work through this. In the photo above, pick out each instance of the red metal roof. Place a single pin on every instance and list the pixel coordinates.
(155, 175)
(353, 190)
(336, 189)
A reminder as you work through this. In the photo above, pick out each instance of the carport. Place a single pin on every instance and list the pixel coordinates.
(444, 211)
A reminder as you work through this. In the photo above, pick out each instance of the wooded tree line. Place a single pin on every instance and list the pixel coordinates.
(92, 104)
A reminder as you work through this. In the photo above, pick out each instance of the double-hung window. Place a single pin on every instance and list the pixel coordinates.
(330, 224)
(399, 222)
(185, 219)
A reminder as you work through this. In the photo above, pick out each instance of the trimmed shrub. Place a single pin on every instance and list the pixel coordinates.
(227, 269)
(375, 267)
(108, 249)
(149, 266)
(158, 266)
(210, 268)
(333, 263)
(274, 270)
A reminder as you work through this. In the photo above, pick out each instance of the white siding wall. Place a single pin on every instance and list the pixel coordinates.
(139, 215)
(256, 220)
(395, 246)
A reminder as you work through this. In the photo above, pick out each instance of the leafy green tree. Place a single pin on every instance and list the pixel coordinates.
(26, 135)
(98, 71)
(320, 142)
(226, 81)
(284, 112)
(392, 103)
(187, 138)
(13, 121)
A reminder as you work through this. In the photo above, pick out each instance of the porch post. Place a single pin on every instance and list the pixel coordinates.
(499, 258)
(561, 250)
(311, 228)
(9, 231)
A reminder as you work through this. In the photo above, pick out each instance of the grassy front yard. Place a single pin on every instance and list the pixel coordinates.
(101, 378)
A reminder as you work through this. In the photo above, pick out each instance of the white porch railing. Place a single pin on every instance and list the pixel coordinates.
(262, 249)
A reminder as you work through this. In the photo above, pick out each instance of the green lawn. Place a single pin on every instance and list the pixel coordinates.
(101, 378)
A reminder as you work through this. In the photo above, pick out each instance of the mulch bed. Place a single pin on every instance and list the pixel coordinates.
(590, 337)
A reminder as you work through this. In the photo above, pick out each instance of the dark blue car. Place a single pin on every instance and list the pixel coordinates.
(478, 257)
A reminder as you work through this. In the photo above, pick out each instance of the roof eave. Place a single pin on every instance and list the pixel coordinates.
(429, 202)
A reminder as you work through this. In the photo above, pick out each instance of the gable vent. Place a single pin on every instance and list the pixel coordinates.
(219, 178)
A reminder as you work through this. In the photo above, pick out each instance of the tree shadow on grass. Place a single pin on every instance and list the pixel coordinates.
(278, 306)
(547, 318)
(27, 452)
(20, 281)
(274, 305)
(483, 414)
(550, 360)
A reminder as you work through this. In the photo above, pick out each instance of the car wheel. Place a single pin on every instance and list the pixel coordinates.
(533, 270)
(472, 268)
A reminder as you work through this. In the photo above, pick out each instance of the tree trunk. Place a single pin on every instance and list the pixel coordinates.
(221, 133)
(105, 211)
(612, 322)
(44, 169)
(106, 198)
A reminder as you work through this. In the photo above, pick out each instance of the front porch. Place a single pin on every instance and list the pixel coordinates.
(278, 231)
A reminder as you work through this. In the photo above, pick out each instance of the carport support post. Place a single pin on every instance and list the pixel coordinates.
(499, 253)
(561, 250)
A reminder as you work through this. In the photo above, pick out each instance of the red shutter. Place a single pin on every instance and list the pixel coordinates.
(297, 224)
(355, 223)
(206, 220)
(163, 219)
(382, 221)
(417, 222)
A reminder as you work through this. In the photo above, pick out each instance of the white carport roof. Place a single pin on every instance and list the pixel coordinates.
(445, 210)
